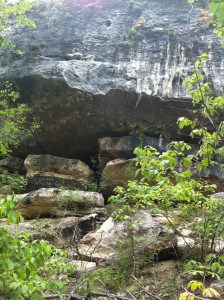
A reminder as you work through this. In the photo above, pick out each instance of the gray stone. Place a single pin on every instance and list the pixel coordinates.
(218, 286)
(218, 195)
(60, 203)
(84, 266)
(184, 243)
(60, 232)
(161, 219)
(148, 235)
(46, 171)
(74, 56)
(123, 147)
(115, 84)
(5, 190)
(186, 232)
(219, 245)
(13, 165)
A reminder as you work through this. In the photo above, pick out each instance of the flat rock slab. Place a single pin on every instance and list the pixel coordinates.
(84, 266)
(46, 171)
(60, 203)
(60, 232)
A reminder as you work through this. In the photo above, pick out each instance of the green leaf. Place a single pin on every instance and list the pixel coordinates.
(217, 10)
(204, 57)
(209, 257)
(183, 296)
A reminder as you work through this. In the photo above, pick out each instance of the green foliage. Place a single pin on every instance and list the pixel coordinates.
(141, 138)
(13, 120)
(113, 277)
(13, 11)
(16, 183)
(216, 9)
(208, 106)
(69, 202)
(136, 4)
(117, 276)
(172, 31)
(41, 224)
(213, 267)
(162, 185)
(168, 182)
(7, 206)
(132, 33)
(100, 181)
(28, 269)
(197, 290)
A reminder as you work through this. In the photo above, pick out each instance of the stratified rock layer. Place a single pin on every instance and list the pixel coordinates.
(47, 171)
(60, 203)
(88, 76)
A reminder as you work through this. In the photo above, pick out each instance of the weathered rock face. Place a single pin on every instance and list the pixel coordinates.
(46, 171)
(58, 203)
(87, 77)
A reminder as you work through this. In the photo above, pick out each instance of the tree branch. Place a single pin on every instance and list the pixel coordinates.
(143, 288)
(88, 296)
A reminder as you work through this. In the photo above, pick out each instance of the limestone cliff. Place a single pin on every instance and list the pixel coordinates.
(104, 68)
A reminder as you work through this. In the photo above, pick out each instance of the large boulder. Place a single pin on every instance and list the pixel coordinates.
(60, 203)
(117, 173)
(88, 76)
(111, 148)
(148, 236)
(46, 171)
(219, 195)
(60, 232)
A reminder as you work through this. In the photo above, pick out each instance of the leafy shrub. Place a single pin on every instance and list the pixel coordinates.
(13, 120)
(171, 183)
(132, 33)
(28, 269)
(16, 183)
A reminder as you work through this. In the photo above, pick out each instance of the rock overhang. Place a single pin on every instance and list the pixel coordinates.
(87, 77)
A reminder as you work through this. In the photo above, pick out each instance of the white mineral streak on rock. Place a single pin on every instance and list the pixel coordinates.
(143, 73)
(166, 81)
